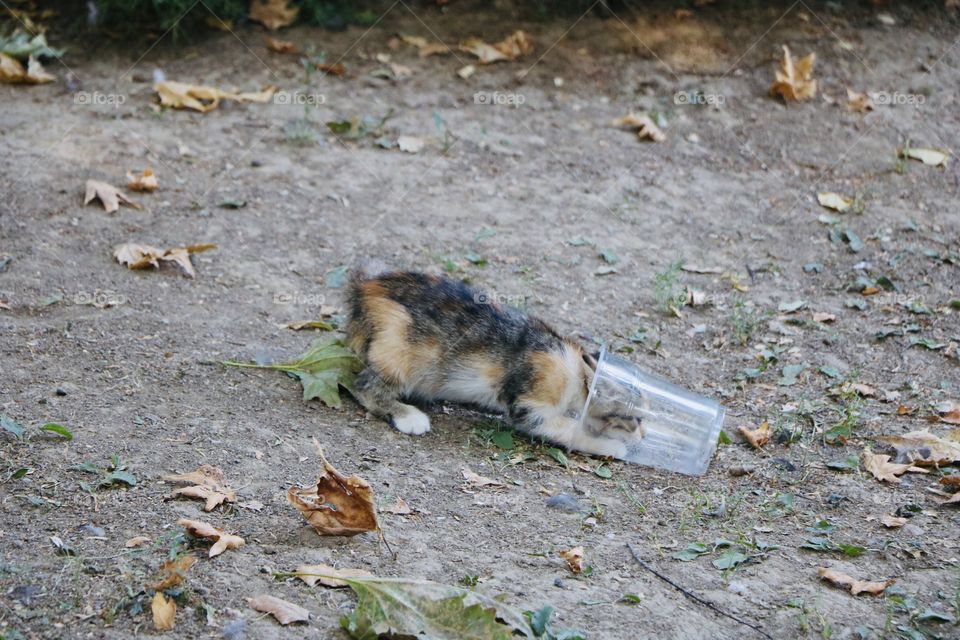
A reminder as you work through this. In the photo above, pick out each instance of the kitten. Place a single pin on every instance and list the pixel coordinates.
(425, 338)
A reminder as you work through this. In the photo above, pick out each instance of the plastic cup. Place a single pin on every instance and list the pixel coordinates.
(681, 427)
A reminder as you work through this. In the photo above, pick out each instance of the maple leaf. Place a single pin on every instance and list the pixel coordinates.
(338, 505)
(794, 81)
(221, 540)
(855, 586)
(110, 197)
(206, 484)
(884, 470)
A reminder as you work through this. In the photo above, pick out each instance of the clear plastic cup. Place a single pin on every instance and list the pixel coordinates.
(681, 428)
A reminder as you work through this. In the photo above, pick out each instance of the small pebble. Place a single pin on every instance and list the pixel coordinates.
(565, 502)
(66, 388)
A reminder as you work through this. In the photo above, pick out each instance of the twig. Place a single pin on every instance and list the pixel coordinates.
(695, 597)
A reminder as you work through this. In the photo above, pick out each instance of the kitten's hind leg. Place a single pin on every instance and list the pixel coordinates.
(382, 399)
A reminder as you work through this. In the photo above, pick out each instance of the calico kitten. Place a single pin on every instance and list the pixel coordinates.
(425, 338)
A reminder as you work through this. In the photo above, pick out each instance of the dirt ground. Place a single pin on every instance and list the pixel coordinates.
(522, 199)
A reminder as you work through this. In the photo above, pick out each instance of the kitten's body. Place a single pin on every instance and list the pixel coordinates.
(428, 338)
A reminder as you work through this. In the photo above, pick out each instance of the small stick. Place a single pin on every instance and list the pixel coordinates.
(695, 597)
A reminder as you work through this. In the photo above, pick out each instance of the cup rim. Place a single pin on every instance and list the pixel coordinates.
(592, 391)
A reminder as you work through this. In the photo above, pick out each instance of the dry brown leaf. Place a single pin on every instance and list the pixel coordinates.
(333, 68)
(855, 586)
(400, 508)
(574, 558)
(181, 95)
(206, 484)
(273, 14)
(136, 541)
(950, 481)
(858, 102)
(285, 612)
(795, 79)
(949, 411)
(892, 522)
(884, 470)
(164, 612)
(424, 48)
(173, 572)
(923, 448)
(338, 505)
(281, 46)
(222, 540)
(13, 72)
(646, 128)
(510, 48)
(834, 201)
(477, 480)
(954, 499)
(756, 437)
(145, 181)
(143, 256)
(326, 575)
(110, 197)
(904, 410)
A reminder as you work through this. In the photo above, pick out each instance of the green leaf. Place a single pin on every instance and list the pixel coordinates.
(609, 256)
(724, 438)
(503, 439)
(9, 425)
(424, 609)
(58, 429)
(336, 278)
(838, 433)
(830, 372)
(21, 45)
(789, 374)
(475, 258)
(926, 343)
(122, 477)
(322, 369)
(730, 560)
(630, 598)
(851, 550)
(929, 615)
(19, 473)
(791, 307)
(540, 618)
(818, 543)
(848, 464)
(603, 471)
(691, 552)
(559, 456)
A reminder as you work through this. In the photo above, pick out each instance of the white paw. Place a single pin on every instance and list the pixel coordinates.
(602, 447)
(414, 422)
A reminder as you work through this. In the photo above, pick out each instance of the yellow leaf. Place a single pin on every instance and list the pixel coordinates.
(323, 574)
(221, 540)
(855, 587)
(164, 612)
(273, 14)
(858, 102)
(145, 181)
(110, 197)
(794, 81)
(574, 558)
(834, 201)
(12, 72)
(644, 125)
(181, 95)
(932, 157)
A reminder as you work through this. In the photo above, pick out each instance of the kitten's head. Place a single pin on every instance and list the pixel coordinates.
(607, 416)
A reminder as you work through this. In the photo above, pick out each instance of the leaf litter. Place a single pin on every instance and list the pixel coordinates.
(206, 483)
(284, 612)
(222, 540)
(643, 124)
(884, 470)
(182, 95)
(856, 587)
(794, 80)
(143, 256)
(109, 196)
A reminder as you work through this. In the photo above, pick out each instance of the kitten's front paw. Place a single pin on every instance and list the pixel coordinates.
(414, 422)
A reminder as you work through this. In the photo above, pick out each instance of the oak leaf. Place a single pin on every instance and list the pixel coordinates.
(794, 81)
(855, 586)
(338, 505)
(221, 539)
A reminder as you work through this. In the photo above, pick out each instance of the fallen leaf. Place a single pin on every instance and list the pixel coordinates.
(950, 481)
(110, 197)
(273, 14)
(644, 125)
(221, 540)
(400, 508)
(574, 558)
(13, 72)
(145, 181)
(892, 522)
(310, 324)
(856, 587)
(173, 572)
(164, 612)
(333, 68)
(425, 48)
(822, 316)
(949, 411)
(904, 410)
(858, 102)
(338, 505)
(884, 470)
(932, 157)
(479, 481)
(466, 71)
(954, 499)
(143, 256)
(794, 81)
(510, 48)
(410, 144)
(314, 574)
(325, 367)
(181, 95)
(756, 437)
(285, 612)
(834, 201)
(923, 448)
(206, 483)
(136, 541)
(281, 46)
